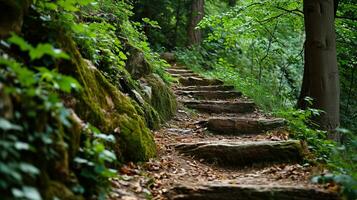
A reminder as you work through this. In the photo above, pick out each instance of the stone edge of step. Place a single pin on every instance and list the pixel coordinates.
(200, 190)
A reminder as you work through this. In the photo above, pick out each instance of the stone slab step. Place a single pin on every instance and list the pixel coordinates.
(226, 191)
(211, 94)
(207, 88)
(243, 125)
(220, 106)
(238, 154)
(185, 75)
(178, 71)
(194, 81)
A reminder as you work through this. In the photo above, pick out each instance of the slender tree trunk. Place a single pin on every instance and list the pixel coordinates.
(196, 15)
(232, 2)
(321, 78)
(178, 20)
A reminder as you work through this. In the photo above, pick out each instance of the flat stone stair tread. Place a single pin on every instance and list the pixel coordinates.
(178, 71)
(206, 88)
(226, 191)
(211, 94)
(185, 75)
(244, 154)
(194, 81)
(177, 67)
(243, 125)
(210, 106)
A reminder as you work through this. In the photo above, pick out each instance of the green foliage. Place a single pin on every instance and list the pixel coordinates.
(22, 135)
(171, 16)
(343, 162)
(39, 126)
(91, 164)
(259, 44)
(39, 51)
(346, 31)
(220, 68)
(300, 124)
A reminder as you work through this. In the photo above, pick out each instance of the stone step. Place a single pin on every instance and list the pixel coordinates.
(207, 88)
(243, 125)
(240, 155)
(175, 66)
(194, 81)
(211, 94)
(185, 75)
(220, 106)
(226, 191)
(178, 71)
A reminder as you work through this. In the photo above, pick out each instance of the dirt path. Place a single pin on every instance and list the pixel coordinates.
(224, 149)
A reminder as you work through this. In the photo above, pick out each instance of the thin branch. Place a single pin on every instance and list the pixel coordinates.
(293, 11)
(271, 34)
(271, 18)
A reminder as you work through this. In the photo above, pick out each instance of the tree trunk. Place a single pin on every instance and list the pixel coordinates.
(196, 15)
(178, 21)
(11, 15)
(321, 78)
(232, 3)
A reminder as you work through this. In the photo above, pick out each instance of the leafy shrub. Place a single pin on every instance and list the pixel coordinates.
(35, 126)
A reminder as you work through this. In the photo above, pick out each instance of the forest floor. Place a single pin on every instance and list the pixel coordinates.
(181, 171)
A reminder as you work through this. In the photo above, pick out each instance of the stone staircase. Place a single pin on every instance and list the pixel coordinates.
(229, 115)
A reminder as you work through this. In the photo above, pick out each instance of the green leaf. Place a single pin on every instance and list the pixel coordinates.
(42, 49)
(22, 145)
(19, 41)
(29, 193)
(29, 169)
(7, 126)
(107, 138)
(153, 24)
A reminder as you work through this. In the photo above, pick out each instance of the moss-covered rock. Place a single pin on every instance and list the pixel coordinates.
(103, 105)
(57, 190)
(136, 65)
(160, 102)
(162, 99)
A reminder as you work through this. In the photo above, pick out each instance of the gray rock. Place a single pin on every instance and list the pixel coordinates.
(222, 95)
(194, 81)
(206, 88)
(224, 191)
(220, 106)
(241, 155)
(242, 125)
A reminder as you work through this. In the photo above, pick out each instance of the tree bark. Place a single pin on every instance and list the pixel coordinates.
(321, 77)
(178, 21)
(11, 15)
(232, 3)
(196, 15)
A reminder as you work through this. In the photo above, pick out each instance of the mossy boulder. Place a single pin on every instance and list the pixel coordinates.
(103, 105)
(162, 97)
(57, 190)
(136, 65)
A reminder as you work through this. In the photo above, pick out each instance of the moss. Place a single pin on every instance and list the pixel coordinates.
(107, 108)
(60, 191)
(136, 141)
(151, 116)
(163, 100)
(136, 65)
